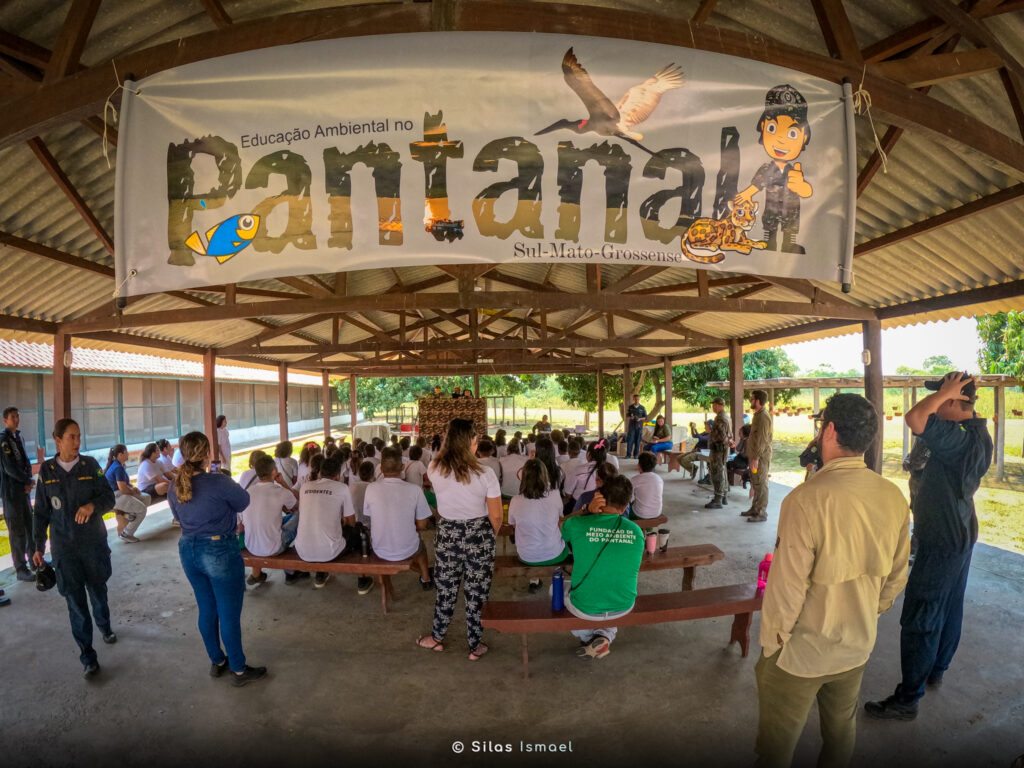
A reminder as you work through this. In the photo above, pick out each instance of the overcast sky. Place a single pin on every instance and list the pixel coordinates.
(957, 339)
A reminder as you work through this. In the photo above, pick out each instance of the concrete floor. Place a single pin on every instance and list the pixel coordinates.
(347, 683)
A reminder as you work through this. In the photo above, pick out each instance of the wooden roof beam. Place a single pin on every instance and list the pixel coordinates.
(974, 30)
(216, 12)
(837, 31)
(71, 40)
(703, 12)
(1015, 93)
(101, 129)
(308, 288)
(595, 303)
(931, 27)
(919, 71)
(24, 50)
(57, 173)
(54, 254)
(634, 277)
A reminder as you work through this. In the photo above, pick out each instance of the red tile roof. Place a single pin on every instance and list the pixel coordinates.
(23, 354)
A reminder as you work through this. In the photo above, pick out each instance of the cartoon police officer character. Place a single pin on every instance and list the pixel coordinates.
(785, 133)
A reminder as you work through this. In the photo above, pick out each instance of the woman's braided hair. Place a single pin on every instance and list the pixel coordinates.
(195, 450)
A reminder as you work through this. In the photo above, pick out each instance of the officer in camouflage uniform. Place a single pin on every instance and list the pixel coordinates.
(759, 451)
(718, 446)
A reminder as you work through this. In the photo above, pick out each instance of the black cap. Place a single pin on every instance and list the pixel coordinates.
(786, 100)
(970, 390)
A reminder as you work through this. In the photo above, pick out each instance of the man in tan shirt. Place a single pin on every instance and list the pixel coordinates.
(840, 561)
(759, 450)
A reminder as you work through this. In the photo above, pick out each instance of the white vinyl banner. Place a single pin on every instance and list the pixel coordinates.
(466, 147)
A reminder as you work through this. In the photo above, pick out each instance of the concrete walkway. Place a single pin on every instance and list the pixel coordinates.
(347, 685)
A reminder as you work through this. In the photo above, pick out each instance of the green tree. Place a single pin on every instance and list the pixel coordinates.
(938, 364)
(377, 395)
(1002, 343)
(826, 371)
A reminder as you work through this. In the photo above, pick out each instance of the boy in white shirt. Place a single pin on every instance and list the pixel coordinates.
(575, 461)
(414, 471)
(398, 511)
(485, 452)
(647, 488)
(267, 533)
(327, 519)
(511, 463)
(357, 486)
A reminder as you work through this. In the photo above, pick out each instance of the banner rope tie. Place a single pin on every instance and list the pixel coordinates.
(862, 106)
(108, 106)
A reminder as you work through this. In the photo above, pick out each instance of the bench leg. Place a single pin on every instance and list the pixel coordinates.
(526, 657)
(741, 631)
(688, 576)
(385, 592)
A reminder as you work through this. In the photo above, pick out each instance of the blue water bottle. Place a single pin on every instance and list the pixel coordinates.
(557, 591)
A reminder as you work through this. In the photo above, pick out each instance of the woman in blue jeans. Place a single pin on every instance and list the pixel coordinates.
(207, 506)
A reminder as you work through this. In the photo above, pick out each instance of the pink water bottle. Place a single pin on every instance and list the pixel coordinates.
(762, 573)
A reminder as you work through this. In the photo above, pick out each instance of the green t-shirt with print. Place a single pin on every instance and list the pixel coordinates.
(610, 586)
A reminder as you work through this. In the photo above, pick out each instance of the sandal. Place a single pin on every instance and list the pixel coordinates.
(427, 642)
(477, 653)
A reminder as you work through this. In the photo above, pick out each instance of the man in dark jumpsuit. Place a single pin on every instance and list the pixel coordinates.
(15, 485)
(71, 503)
(946, 529)
(718, 449)
(635, 416)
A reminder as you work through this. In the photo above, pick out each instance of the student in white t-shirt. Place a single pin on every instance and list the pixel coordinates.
(511, 463)
(268, 524)
(357, 486)
(325, 508)
(286, 465)
(500, 445)
(152, 478)
(427, 454)
(573, 461)
(485, 452)
(166, 455)
(469, 504)
(583, 479)
(370, 454)
(397, 512)
(534, 513)
(563, 451)
(248, 478)
(414, 471)
(647, 488)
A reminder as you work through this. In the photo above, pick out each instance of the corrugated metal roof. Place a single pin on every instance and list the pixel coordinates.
(923, 179)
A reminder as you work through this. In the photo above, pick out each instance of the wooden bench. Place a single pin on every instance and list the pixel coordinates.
(525, 617)
(686, 558)
(347, 562)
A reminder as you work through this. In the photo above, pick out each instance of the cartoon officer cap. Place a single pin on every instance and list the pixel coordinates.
(786, 100)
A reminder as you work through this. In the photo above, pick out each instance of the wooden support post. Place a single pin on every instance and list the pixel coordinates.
(476, 385)
(736, 383)
(61, 378)
(1000, 420)
(873, 391)
(600, 407)
(817, 399)
(668, 392)
(906, 429)
(627, 389)
(325, 401)
(282, 401)
(352, 405)
(209, 398)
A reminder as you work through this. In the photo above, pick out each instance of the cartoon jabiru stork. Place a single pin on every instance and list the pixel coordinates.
(607, 119)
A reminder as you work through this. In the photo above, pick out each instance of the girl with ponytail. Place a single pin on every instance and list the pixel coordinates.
(207, 505)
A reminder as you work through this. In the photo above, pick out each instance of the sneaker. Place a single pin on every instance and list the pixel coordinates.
(597, 648)
(320, 579)
(128, 537)
(427, 585)
(757, 518)
(254, 580)
(890, 709)
(365, 584)
(292, 578)
(24, 574)
(534, 587)
(247, 675)
(216, 670)
(713, 504)
(935, 680)
(109, 637)
(91, 670)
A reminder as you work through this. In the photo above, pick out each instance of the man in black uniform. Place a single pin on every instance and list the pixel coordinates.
(636, 414)
(71, 498)
(15, 485)
(946, 528)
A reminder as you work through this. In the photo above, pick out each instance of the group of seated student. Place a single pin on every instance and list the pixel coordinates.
(336, 493)
(156, 468)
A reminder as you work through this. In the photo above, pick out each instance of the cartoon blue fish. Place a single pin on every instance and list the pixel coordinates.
(227, 238)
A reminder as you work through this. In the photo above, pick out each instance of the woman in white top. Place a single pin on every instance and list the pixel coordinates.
(286, 465)
(223, 443)
(166, 457)
(469, 503)
(535, 513)
(583, 480)
(511, 466)
(152, 477)
(309, 450)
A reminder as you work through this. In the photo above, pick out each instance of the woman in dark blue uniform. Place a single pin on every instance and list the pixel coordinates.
(71, 497)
